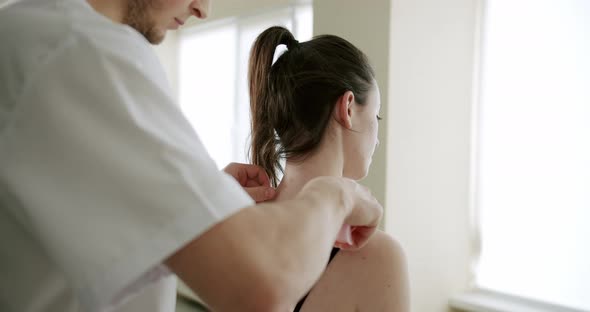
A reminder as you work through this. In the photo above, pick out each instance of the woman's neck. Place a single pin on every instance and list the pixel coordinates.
(323, 163)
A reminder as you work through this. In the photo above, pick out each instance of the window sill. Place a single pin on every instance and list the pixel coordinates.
(489, 301)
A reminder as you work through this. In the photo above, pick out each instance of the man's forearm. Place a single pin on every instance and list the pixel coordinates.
(266, 256)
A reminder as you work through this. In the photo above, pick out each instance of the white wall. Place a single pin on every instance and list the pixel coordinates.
(367, 27)
(423, 53)
(6, 2)
(432, 57)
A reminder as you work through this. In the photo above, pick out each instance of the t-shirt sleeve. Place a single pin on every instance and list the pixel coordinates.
(111, 177)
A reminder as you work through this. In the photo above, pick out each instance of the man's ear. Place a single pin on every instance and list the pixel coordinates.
(343, 110)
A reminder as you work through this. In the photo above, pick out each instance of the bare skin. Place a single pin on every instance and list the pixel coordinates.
(371, 279)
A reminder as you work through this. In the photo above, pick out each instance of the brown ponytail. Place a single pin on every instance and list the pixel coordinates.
(263, 151)
(291, 101)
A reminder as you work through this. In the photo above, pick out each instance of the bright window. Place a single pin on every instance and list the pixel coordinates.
(4, 3)
(213, 70)
(533, 186)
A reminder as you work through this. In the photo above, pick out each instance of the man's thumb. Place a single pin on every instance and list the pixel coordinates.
(261, 193)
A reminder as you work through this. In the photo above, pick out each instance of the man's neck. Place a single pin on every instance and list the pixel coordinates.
(114, 10)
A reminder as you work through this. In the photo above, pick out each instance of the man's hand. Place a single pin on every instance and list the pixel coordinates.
(253, 179)
(283, 246)
(363, 211)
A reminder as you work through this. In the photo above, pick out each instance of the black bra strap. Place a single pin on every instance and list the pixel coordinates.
(300, 303)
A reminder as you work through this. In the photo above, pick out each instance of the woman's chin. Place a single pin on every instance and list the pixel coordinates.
(357, 176)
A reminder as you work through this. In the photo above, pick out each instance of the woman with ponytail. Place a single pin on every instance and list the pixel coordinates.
(315, 106)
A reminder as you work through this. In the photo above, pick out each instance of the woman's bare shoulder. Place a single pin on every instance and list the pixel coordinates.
(373, 278)
(382, 247)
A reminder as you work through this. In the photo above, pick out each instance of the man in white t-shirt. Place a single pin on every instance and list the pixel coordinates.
(105, 189)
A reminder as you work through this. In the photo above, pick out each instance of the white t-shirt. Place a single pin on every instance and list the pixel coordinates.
(101, 176)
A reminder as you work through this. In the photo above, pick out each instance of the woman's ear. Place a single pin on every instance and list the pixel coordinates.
(343, 110)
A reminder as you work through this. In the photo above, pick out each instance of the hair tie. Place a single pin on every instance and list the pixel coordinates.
(279, 51)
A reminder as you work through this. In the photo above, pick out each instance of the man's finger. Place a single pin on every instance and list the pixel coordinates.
(257, 174)
(260, 193)
(248, 174)
(253, 183)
